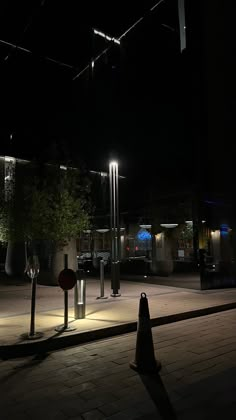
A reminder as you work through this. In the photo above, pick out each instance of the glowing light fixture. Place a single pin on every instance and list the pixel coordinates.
(10, 159)
(191, 222)
(146, 226)
(113, 163)
(107, 37)
(102, 230)
(80, 296)
(224, 229)
(169, 225)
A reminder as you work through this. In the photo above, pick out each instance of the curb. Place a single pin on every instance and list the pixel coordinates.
(63, 341)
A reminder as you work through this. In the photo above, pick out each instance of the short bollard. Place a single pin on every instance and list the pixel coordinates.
(80, 295)
(66, 280)
(145, 361)
(102, 281)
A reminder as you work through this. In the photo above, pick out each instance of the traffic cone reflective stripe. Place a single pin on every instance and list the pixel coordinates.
(145, 361)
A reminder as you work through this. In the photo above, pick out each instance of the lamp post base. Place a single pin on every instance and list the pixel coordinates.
(62, 328)
(115, 295)
(35, 336)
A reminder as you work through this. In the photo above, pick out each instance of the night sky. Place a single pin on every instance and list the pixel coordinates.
(135, 107)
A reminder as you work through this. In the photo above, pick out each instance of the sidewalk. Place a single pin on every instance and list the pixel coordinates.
(104, 318)
(94, 381)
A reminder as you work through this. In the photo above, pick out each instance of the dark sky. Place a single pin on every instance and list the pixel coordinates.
(134, 109)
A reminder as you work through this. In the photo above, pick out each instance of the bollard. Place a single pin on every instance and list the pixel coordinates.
(102, 281)
(115, 278)
(80, 295)
(145, 361)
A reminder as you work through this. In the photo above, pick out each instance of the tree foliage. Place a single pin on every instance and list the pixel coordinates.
(4, 223)
(49, 204)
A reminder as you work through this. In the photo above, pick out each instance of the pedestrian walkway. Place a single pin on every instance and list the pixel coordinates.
(104, 317)
(93, 381)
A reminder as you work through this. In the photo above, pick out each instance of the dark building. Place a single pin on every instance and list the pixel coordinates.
(165, 106)
(206, 97)
(211, 64)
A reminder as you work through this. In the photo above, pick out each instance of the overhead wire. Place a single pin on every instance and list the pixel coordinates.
(27, 26)
(94, 60)
(26, 50)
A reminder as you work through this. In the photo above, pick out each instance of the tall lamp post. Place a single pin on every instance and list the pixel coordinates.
(115, 229)
(113, 178)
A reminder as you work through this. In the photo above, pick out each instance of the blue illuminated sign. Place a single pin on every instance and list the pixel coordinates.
(224, 229)
(144, 235)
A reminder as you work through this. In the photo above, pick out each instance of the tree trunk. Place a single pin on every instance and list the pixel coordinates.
(15, 259)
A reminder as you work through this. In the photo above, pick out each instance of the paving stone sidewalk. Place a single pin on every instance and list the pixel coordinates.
(94, 381)
(103, 317)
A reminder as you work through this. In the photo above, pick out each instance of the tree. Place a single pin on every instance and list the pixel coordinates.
(57, 206)
(50, 205)
(3, 218)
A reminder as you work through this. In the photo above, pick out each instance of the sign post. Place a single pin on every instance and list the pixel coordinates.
(66, 280)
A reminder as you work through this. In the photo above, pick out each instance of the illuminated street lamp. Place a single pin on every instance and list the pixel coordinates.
(115, 229)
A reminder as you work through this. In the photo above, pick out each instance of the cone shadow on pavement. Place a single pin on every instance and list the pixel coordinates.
(145, 361)
(158, 394)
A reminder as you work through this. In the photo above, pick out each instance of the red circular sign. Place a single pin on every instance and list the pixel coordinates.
(67, 279)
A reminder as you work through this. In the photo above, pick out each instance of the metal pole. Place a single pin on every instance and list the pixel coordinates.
(65, 296)
(33, 298)
(102, 281)
(117, 224)
(115, 229)
(32, 270)
(65, 260)
(102, 277)
(80, 295)
(65, 309)
(65, 327)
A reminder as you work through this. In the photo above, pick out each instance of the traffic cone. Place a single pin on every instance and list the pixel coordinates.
(145, 361)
